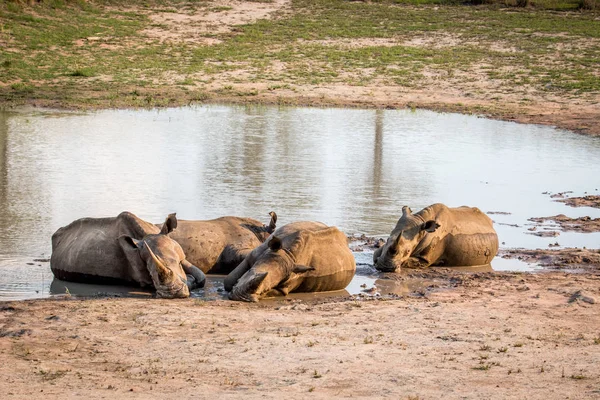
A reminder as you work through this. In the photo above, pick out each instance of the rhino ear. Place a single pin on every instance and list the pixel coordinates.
(430, 226)
(170, 224)
(300, 269)
(275, 243)
(406, 211)
(273, 223)
(129, 241)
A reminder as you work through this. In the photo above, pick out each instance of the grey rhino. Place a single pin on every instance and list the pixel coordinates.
(218, 246)
(438, 235)
(298, 257)
(124, 250)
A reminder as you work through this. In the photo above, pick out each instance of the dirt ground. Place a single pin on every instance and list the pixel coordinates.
(470, 335)
(473, 336)
(480, 95)
(584, 201)
(471, 92)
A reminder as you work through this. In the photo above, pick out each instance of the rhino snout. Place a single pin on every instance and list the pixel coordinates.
(239, 295)
(382, 266)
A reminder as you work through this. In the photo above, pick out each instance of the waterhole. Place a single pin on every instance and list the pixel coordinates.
(354, 169)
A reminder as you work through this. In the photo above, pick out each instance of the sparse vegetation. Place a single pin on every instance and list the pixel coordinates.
(48, 375)
(578, 376)
(86, 54)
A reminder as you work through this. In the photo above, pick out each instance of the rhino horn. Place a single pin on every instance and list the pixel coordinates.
(163, 272)
(170, 224)
(406, 211)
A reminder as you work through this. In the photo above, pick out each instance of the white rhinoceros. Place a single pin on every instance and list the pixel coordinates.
(124, 250)
(438, 235)
(298, 257)
(219, 245)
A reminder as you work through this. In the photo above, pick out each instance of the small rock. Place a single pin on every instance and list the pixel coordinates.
(372, 290)
(579, 295)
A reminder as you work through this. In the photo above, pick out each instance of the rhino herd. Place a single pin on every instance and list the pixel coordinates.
(260, 260)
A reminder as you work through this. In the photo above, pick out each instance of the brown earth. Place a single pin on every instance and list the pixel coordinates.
(483, 335)
(569, 258)
(566, 224)
(478, 94)
(474, 336)
(471, 92)
(585, 201)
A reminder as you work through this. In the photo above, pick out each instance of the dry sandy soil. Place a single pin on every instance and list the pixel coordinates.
(476, 336)
(465, 335)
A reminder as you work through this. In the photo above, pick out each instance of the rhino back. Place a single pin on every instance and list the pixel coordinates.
(470, 249)
(215, 246)
(87, 250)
(468, 234)
(328, 253)
(471, 220)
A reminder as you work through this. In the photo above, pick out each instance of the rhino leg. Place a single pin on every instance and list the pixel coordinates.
(376, 254)
(196, 278)
(414, 262)
(235, 275)
(427, 256)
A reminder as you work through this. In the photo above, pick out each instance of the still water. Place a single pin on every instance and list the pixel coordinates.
(351, 168)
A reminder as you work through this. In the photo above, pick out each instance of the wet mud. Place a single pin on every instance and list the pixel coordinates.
(585, 201)
(559, 259)
(566, 224)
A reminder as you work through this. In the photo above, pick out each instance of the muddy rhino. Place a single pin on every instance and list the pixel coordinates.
(218, 246)
(124, 250)
(298, 257)
(438, 235)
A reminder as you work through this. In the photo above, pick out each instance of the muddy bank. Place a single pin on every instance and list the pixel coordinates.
(570, 259)
(174, 55)
(585, 201)
(525, 334)
(567, 224)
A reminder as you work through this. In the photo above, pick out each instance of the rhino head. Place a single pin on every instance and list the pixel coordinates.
(162, 258)
(410, 234)
(270, 271)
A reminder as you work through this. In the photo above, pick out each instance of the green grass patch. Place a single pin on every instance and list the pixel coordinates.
(391, 42)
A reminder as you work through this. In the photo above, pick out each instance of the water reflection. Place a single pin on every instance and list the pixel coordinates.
(351, 168)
